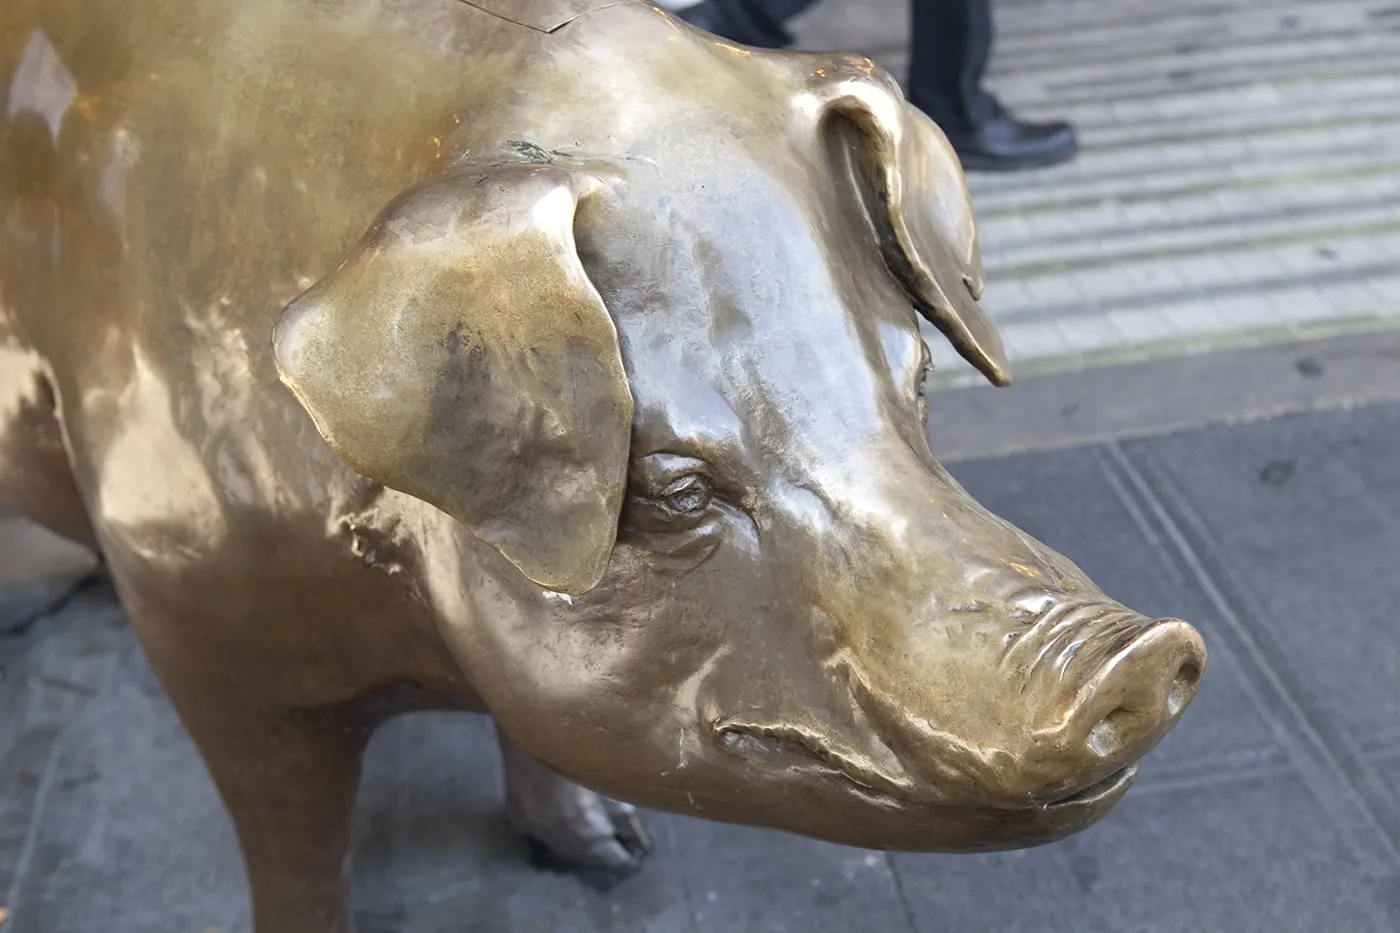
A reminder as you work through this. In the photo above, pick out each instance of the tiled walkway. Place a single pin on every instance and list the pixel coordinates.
(1239, 181)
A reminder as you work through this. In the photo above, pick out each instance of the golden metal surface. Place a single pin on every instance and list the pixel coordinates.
(613, 323)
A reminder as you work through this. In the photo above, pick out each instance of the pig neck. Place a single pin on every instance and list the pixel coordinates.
(426, 550)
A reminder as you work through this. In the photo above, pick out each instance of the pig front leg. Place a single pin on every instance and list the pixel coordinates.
(289, 787)
(571, 828)
(287, 777)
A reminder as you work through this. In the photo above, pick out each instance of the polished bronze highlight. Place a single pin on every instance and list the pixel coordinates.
(551, 360)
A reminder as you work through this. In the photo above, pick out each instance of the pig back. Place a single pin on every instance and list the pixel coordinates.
(172, 174)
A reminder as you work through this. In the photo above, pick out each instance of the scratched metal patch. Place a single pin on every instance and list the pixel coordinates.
(543, 15)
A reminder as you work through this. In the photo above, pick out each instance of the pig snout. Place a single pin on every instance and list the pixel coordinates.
(1081, 692)
(1144, 690)
(1118, 710)
(1079, 687)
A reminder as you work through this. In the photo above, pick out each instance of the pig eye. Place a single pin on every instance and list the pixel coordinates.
(668, 493)
(687, 495)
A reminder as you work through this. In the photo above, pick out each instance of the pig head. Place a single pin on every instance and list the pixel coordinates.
(670, 388)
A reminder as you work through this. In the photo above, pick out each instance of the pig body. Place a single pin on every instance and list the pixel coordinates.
(551, 360)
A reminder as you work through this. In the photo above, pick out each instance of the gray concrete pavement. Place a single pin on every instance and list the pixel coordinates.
(1275, 807)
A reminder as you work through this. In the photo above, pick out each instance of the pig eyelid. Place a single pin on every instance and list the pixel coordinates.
(661, 468)
(660, 475)
(652, 474)
(674, 502)
(678, 484)
(690, 494)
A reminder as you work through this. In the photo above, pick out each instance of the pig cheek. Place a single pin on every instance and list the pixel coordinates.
(624, 676)
(693, 606)
(675, 595)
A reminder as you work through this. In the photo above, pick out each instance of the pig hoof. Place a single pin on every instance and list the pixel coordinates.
(602, 862)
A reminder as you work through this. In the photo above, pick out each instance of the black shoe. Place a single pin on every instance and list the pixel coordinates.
(1001, 143)
(743, 21)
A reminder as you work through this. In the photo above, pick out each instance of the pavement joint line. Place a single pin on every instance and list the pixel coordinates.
(1144, 300)
(1125, 125)
(1284, 79)
(1085, 234)
(1204, 765)
(1243, 339)
(1324, 160)
(1383, 745)
(1162, 785)
(687, 894)
(1013, 57)
(1168, 112)
(1171, 81)
(1004, 201)
(1304, 236)
(1250, 131)
(1013, 23)
(1293, 726)
(1036, 6)
(1019, 61)
(14, 896)
(57, 604)
(905, 906)
(1087, 5)
(1199, 75)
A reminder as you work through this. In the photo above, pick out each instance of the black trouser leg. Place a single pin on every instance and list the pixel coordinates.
(950, 45)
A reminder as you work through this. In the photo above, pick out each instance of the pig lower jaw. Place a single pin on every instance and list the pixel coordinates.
(771, 744)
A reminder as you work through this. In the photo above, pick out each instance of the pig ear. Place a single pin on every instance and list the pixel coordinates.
(460, 354)
(922, 210)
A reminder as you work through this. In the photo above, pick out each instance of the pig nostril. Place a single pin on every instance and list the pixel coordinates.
(1126, 724)
(1183, 688)
(1108, 737)
(1149, 682)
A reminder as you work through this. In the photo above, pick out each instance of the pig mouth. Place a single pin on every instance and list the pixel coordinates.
(1107, 790)
(772, 744)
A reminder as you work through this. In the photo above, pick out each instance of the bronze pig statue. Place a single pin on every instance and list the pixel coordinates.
(606, 417)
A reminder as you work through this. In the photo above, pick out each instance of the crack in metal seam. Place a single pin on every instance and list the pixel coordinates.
(553, 27)
(1303, 738)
